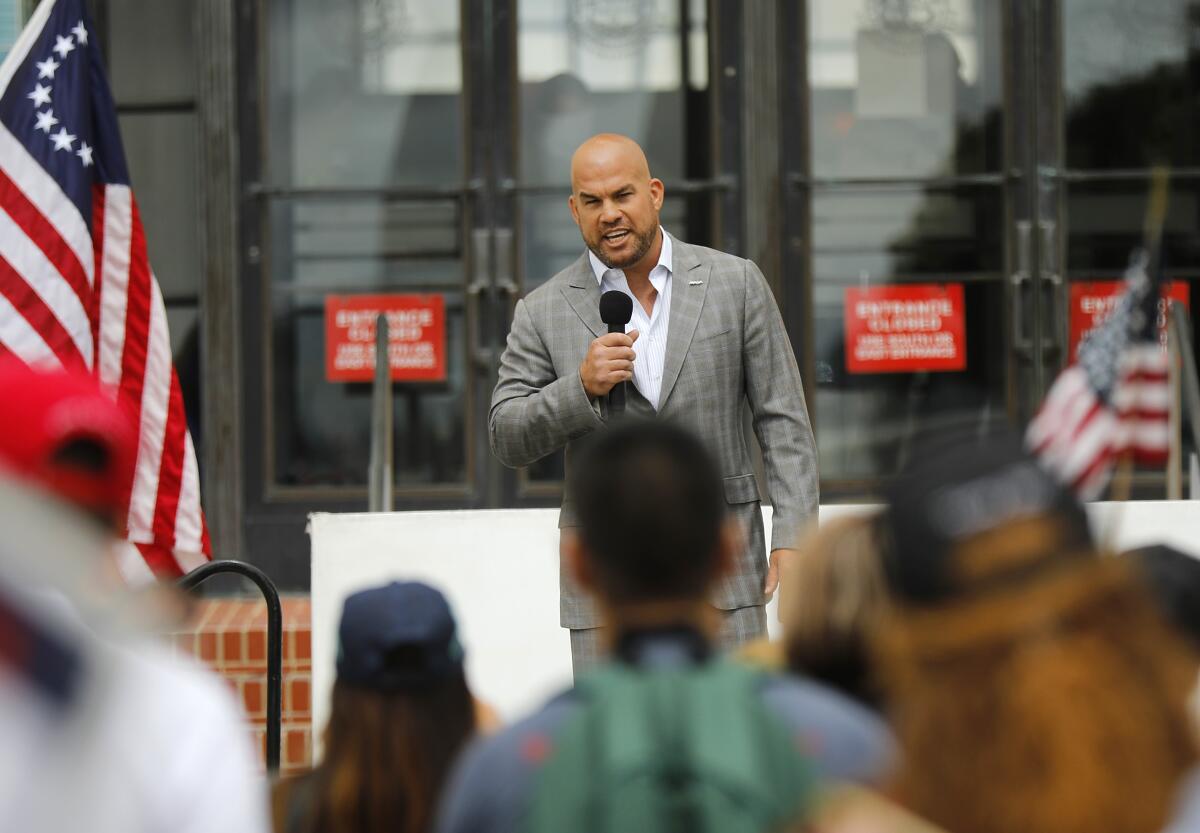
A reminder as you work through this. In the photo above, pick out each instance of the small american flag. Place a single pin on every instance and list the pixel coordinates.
(1115, 399)
(76, 289)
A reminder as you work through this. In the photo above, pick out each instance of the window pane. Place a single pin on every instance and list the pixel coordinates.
(1106, 221)
(588, 66)
(161, 148)
(13, 14)
(869, 238)
(870, 234)
(183, 321)
(867, 422)
(1130, 83)
(905, 90)
(322, 429)
(158, 35)
(364, 93)
(365, 243)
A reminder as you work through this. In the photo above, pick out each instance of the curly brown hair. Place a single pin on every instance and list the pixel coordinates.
(1056, 705)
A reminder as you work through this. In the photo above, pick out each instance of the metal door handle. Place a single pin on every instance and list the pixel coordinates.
(1019, 279)
(504, 265)
(481, 274)
(1053, 345)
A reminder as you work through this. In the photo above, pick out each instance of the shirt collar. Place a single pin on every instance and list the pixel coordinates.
(664, 260)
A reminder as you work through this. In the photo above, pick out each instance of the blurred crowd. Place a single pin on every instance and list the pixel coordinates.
(967, 657)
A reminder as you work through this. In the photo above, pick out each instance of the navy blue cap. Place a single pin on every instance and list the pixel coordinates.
(960, 483)
(398, 636)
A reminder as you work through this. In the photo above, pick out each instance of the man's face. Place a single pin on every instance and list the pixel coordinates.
(616, 210)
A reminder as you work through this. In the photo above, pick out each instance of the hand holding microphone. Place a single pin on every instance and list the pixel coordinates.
(609, 360)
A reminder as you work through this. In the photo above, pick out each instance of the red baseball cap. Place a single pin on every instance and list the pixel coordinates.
(61, 431)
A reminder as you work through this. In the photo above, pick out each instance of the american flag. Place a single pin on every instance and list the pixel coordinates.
(76, 289)
(1115, 399)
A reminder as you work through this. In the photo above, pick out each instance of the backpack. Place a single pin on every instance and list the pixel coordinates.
(690, 749)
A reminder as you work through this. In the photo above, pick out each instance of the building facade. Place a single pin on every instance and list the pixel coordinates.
(937, 191)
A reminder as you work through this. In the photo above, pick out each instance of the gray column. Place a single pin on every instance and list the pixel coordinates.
(218, 215)
(761, 126)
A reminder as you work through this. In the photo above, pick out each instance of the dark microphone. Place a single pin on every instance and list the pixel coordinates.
(616, 308)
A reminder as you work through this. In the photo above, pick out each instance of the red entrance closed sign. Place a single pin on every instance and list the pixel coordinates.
(894, 329)
(1094, 301)
(416, 337)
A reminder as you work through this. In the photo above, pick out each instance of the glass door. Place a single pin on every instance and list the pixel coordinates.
(899, 206)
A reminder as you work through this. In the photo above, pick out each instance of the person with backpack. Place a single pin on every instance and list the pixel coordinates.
(667, 734)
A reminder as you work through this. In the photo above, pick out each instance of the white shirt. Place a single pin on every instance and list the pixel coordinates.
(156, 744)
(651, 346)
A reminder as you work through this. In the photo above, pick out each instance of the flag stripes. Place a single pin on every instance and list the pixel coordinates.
(76, 288)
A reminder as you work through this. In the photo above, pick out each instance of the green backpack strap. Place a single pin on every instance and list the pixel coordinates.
(689, 749)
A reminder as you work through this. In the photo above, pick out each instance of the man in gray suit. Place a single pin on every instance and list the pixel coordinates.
(706, 337)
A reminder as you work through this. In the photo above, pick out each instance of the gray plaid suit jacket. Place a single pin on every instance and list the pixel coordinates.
(726, 345)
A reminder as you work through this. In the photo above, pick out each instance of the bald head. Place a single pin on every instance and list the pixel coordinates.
(605, 154)
(615, 202)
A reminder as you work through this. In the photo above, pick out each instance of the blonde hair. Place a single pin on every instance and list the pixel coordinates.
(833, 595)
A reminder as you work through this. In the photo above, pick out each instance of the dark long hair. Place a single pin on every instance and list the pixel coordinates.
(387, 756)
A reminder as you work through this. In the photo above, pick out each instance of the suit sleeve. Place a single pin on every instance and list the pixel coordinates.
(534, 411)
(780, 414)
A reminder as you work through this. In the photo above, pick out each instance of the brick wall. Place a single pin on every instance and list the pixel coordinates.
(230, 635)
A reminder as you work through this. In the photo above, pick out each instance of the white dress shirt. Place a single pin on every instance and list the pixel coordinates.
(651, 346)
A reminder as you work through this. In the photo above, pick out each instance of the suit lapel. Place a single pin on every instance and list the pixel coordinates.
(689, 283)
(583, 294)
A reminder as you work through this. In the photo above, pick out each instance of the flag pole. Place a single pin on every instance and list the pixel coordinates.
(1181, 334)
(379, 473)
(1152, 230)
(1174, 416)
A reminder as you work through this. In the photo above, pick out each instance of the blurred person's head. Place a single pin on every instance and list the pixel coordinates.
(614, 199)
(400, 713)
(63, 435)
(60, 432)
(833, 595)
(653, 534)
(1032, 685)
(1173, 577)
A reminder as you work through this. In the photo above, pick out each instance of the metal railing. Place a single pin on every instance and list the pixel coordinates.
(274, 641)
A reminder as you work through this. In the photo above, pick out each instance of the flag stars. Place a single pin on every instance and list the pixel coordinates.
(80, 33)
(45, 121)
(63, 45)
(40, 95)
(62, 139)
(47, 68)
(85, 154)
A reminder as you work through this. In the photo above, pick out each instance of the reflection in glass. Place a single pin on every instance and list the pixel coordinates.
(366, 243)
(364, 93)
(905, 89)
(322, 429)
(1105, 227)
(619, 66)
(868, 232)
(1130, 78)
